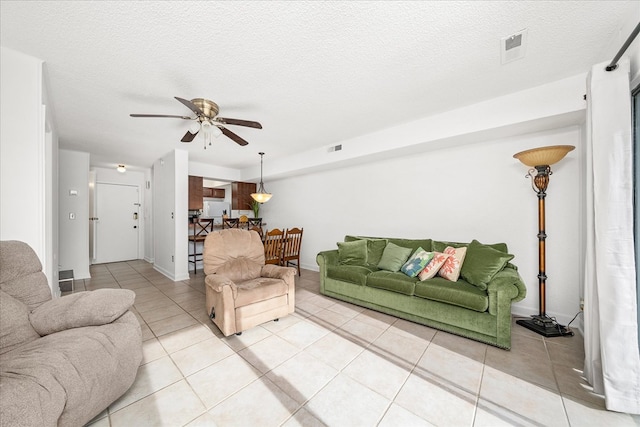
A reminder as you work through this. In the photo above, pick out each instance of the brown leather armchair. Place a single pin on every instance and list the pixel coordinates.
(241, 291)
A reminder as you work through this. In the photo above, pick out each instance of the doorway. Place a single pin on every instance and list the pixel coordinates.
(116, 224)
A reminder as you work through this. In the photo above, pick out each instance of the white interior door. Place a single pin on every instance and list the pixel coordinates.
(116, 223)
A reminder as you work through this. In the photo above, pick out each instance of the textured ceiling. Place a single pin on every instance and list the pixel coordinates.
(313, 73)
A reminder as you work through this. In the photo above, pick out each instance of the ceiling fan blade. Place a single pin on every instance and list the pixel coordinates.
(190, 105)
(188, 137)
(233, 136)
(161, 115)
(238, 122)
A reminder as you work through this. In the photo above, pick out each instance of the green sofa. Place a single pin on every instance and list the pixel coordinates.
(480, 311)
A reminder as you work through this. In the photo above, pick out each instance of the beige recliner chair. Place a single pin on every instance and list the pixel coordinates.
(242, 291)
(62, 360)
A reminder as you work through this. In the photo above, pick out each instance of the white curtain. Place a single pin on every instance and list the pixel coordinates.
(612, 359)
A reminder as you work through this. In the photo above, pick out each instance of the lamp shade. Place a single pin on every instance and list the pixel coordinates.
(261, 197)
(543, 156)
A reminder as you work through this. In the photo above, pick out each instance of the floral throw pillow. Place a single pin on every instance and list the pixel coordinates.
(432, 268)
(417, 262)
(450, 270)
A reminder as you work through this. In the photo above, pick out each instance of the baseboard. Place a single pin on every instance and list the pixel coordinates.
(170, 275)
(312, 267)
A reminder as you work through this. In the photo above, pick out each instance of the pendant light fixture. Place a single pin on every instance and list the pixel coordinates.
(261, 196)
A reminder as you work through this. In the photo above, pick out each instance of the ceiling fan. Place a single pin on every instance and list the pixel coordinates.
(207, 118)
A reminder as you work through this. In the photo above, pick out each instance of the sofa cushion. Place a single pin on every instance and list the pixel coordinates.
(458, 293)
(349, 273)
(89, 308)
(450, 270)
(390, 281)
(413, 244)
(482, 263)
(352, 253)
(417, 262)
(441, 246)
(239, 269)
(393, 257)
(15, 328)
(260, 289)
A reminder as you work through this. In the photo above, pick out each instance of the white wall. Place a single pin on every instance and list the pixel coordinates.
(148, 216)
(74, 233)
(52, 240)
(170, 220)
(28, 145)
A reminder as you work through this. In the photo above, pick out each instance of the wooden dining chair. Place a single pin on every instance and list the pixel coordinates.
(230, 222)
(199, 230)
(255, 222)
(273, 241)
(291, 251)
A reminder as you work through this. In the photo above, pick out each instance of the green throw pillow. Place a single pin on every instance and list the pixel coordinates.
(393, 257)
(375, 249)
(482, 263)
(352, 253)
(417, 262)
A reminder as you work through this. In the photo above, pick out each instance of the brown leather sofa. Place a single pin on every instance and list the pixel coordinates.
(241, 291)
(62, 360)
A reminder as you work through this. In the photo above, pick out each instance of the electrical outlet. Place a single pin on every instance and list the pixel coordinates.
(581, 304)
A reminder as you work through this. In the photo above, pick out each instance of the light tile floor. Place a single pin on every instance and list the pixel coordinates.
(335, 364)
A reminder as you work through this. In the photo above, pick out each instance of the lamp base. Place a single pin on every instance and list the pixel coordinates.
(545, 326)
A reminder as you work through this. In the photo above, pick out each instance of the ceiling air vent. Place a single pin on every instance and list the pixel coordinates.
(513, 47)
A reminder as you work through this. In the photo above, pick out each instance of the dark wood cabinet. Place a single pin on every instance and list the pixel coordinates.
(216, 193)
(241, 195)
(195, 193)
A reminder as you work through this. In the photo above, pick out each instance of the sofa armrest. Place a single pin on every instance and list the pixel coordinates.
(326, 258)
(278, 272)
(505, 285)
(218, 282)
(89, 308)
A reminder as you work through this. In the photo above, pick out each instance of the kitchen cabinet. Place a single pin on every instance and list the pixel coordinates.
(195, 193)
(216, 193)
(241, 195)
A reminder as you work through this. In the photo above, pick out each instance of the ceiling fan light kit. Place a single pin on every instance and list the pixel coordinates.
(207, 121)
(261, 195)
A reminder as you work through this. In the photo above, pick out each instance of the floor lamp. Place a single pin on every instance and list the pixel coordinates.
(540, 161)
